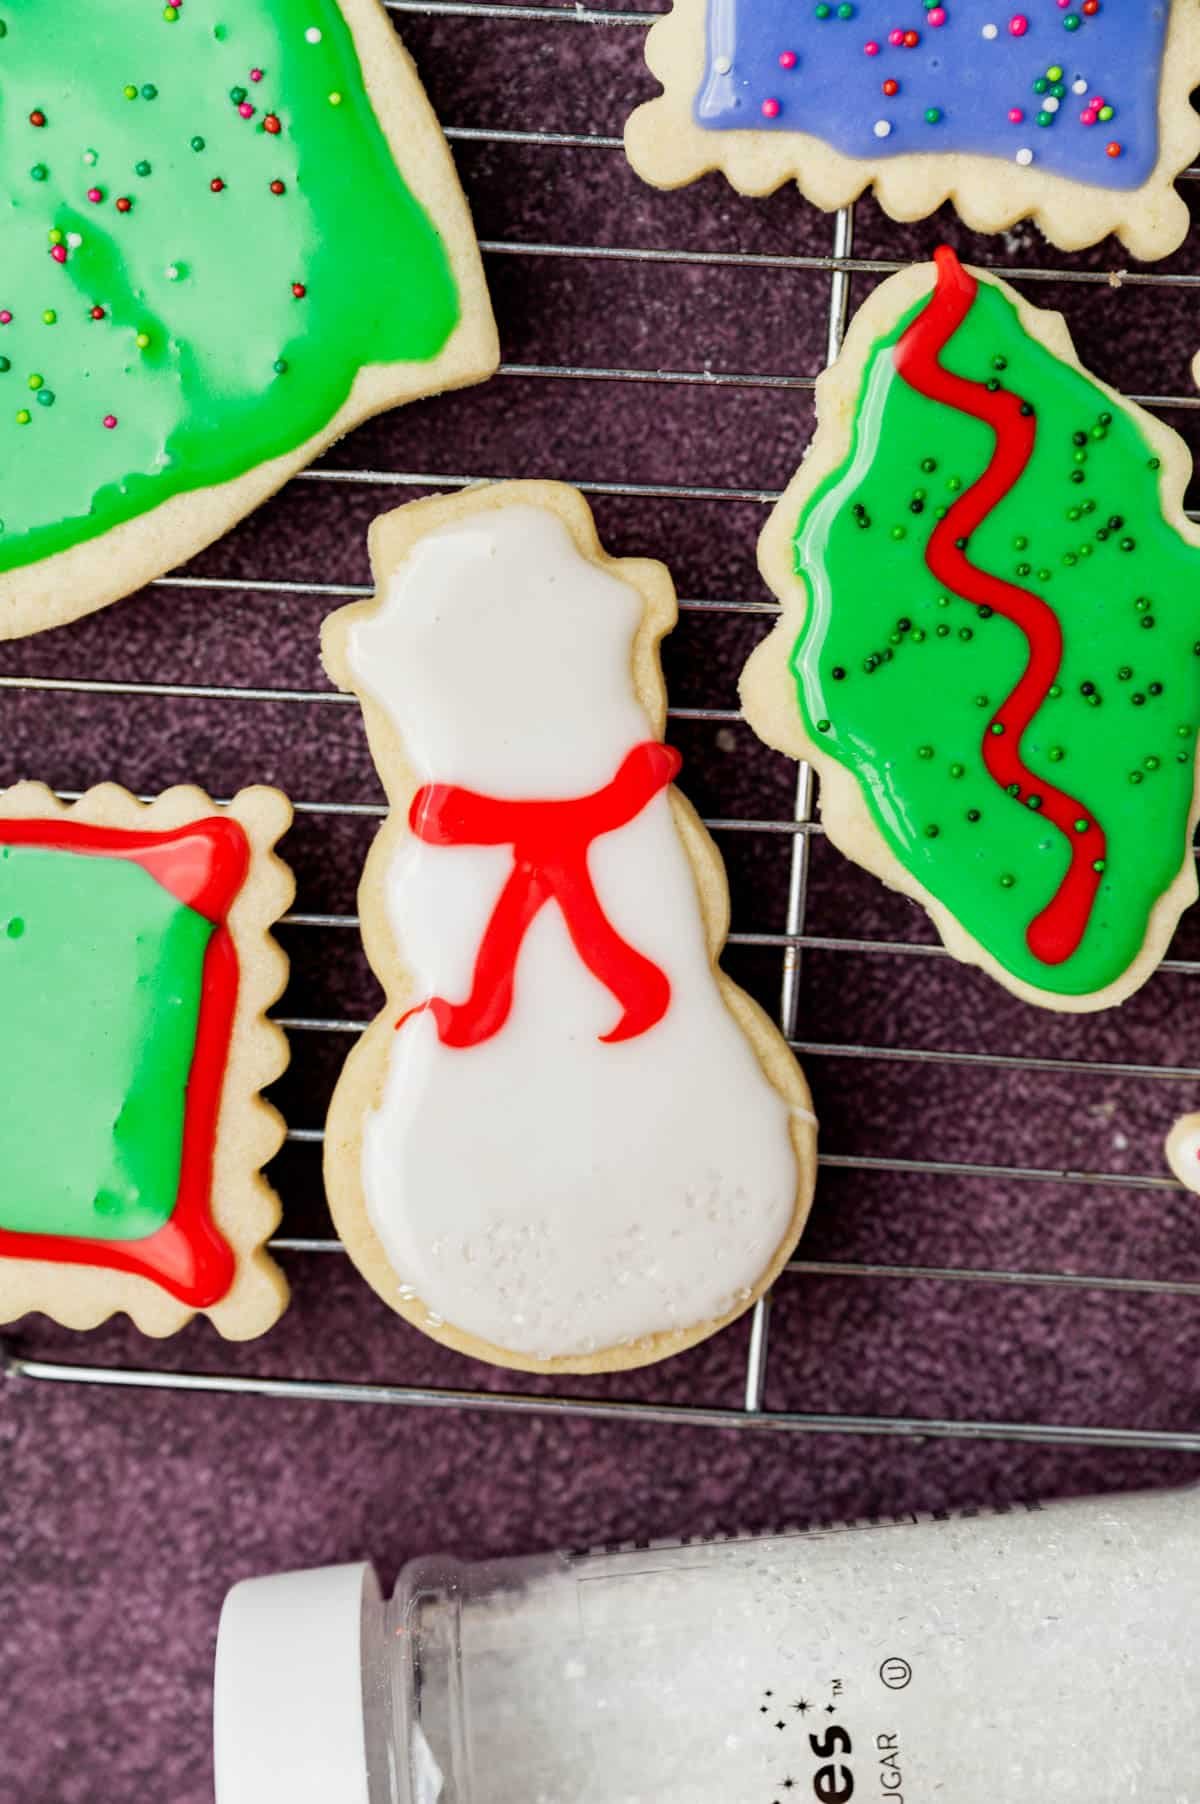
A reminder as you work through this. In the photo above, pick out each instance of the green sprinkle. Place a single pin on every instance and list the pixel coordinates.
(1007, 881)
(39, 172)
(1055, 754)
(46, 397)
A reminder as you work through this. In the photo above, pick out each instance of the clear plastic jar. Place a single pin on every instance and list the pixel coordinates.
(1033, 1653)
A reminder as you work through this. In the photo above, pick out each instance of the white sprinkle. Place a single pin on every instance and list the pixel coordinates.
(90, 158)
(1079, 86)
(991, 31)
(883, 128)
(173, 272)
(74, 239)
(1024, 157)
(313, 35)
(722, 65)
(1051, 103)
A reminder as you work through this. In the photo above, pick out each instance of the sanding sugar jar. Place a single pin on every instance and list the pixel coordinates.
(1032, 1653)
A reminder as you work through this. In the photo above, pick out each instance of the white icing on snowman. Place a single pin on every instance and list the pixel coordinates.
(543, 1189)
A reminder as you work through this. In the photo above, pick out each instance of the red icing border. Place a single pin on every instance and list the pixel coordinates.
(203, 865)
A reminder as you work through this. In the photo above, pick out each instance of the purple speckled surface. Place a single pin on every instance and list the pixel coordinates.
(124, 1515)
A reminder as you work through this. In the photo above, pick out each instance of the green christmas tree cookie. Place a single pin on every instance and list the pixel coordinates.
(990, 645)
(231, 232)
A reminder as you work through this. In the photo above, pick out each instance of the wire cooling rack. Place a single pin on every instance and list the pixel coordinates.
(1039, 1055)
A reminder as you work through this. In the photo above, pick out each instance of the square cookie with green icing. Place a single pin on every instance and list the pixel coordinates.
(569, 1142)
(1073, 113)
(988, 647)
(136, 965)
(231, 233)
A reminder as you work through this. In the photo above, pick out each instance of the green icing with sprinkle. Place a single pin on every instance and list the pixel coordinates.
(101, 972)
(921, 671)
(140, 106)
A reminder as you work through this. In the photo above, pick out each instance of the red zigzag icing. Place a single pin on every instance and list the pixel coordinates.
(1055, 933)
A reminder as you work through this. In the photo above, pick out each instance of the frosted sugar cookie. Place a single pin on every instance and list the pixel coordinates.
(1075, 113)
(569, 1142)
(990, 647)
(231, 232)
(135, 966)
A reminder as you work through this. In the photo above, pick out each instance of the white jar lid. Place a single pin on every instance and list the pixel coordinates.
(288, 1719)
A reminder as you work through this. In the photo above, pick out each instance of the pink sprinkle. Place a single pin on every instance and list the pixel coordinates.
(788, 59)
(1015, 115)
(110, 420)
(895, 36)
(871, 48)
(246, 110)
(936, 16)
(1018, 25)
(95, 196)
(59, 253)
(1097, 100)
(5, 317)
(256, 75)
(770, 109)
(1088, 117)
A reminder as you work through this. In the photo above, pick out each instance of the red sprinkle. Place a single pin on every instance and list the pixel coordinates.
(299, 290)
(891, 86)
(911, 39)
(97, 313)
(278, 188)
(1113, 149)
(124, 205)
(272, 124)
(216, 184)
(37, 118)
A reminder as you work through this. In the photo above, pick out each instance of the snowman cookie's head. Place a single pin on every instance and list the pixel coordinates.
(505, 657)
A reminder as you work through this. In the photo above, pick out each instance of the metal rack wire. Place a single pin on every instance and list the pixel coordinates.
(796, 835)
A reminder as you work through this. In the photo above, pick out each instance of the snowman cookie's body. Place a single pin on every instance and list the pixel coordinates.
(542, 1189)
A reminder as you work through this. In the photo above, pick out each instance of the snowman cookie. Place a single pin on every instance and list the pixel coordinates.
(1075, 113)
(136, 964)
(569, 1142)
(990, 642)
(231, 233)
